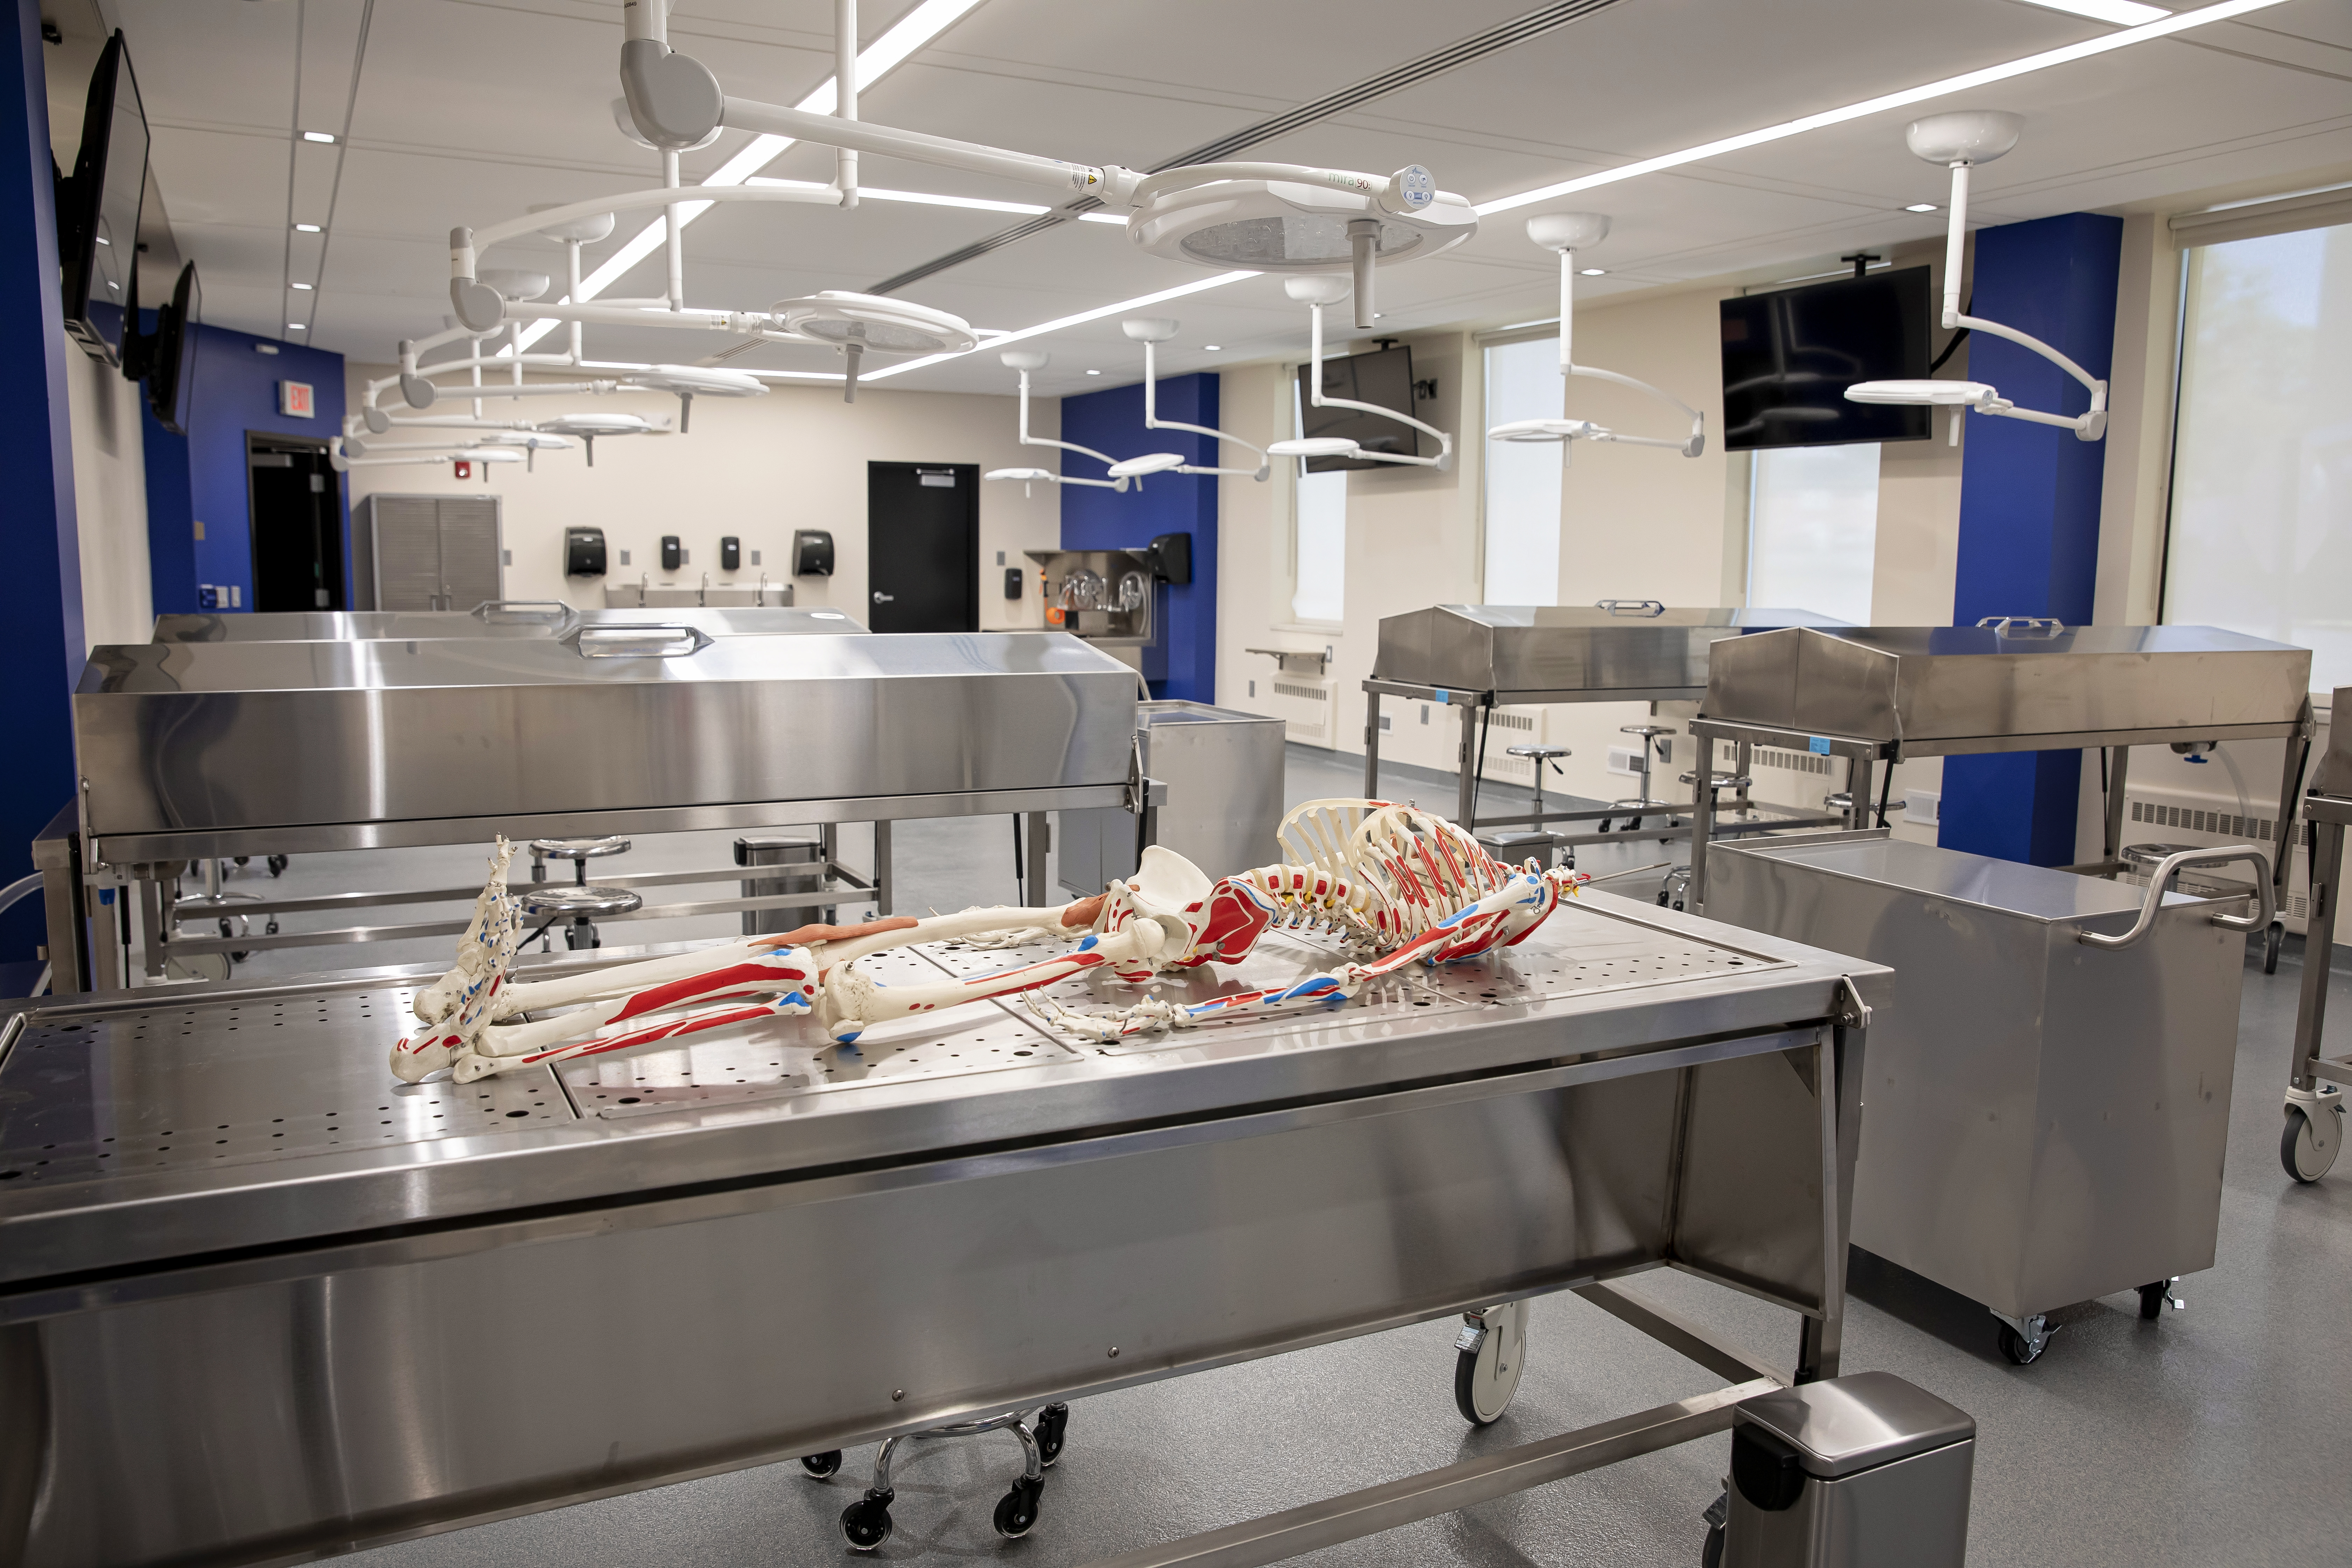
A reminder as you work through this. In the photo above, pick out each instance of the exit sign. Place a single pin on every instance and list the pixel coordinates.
(294, 398)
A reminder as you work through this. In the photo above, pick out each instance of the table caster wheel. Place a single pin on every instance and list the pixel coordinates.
(277, 865)
(2019, 1349)
(271, 929)
(1488, 1355)
(1016, 1511)
(821, 1464)
(2273, 941)
(2307, 1148)
(2154, 1297)
(243, 859)
(865, 1523)
(1052, 1431)
(1711, 1554)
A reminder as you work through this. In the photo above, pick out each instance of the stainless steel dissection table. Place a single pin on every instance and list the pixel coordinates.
(258, 1304)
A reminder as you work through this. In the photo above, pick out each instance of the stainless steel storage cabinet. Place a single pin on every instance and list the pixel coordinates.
(426, 553)
(2043, 1119)
(1864, 1471)
(1222, 768)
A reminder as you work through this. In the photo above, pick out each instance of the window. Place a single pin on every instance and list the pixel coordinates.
(2261, 534)
(1522, 501)
(1320, 525)
(1812, 530)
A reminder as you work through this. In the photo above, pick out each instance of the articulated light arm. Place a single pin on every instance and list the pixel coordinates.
(1151, 332)
(1029, 475)
(1589, 228)
(1960, 140)
(1313, 446)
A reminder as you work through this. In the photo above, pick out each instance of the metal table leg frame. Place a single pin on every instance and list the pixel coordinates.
(866, 1524)
(2314, 1134)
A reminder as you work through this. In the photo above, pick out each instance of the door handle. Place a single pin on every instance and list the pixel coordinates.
(882, 598)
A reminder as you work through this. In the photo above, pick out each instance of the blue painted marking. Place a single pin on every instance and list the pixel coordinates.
(1818, 745)
(1443, 696)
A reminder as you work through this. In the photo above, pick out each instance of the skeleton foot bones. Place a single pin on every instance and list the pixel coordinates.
(1395, 883)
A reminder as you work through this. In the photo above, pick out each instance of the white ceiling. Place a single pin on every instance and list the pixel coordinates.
(466, 111)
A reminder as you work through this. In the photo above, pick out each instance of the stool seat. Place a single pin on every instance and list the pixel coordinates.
(1653, 730)
(572, 900)
(578, 848)
(1643, 804)
(1541, 753)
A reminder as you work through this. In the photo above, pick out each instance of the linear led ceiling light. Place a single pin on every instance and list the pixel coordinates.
(1568, 233)
(1318, 289)
(1962, 140)
(1149, 331)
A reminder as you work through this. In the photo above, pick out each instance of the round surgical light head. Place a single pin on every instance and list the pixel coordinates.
(1317, 287)
(1292, 226)
(1148, 328)
(597, 424)
(586, 230)
(1568, 231)
(1964, 136)
(514, 284)
(1024, 475)
(1934, 394)
(529, 441)
(1539, 430)
(486, 455)
(628, 126)
(1149, 463)
(1024, 359)
(876, 323)
(1314, 447)
(696, 381)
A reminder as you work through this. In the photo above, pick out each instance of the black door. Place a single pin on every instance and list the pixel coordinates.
(298, 524)
(922, 547)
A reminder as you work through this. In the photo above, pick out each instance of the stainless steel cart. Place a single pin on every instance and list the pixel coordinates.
(190, 750)
(1885, 694)
(2314, 1134)
(257, 1302)
(2049, 1091)
(1476, 658)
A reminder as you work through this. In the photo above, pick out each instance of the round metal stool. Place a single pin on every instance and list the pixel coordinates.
(579, 902)
(1539, 841)
(579, 851)
(1643, 804)
(1717, 784)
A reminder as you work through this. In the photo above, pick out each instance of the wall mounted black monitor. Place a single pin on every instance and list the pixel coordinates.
(1788, 356)
(1384, 379)
(98, 206)
(166, 358)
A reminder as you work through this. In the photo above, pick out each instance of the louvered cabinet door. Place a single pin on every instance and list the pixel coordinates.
(470, 572)
(406, 543)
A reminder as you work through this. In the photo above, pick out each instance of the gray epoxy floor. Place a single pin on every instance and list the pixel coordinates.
(2208, 1438)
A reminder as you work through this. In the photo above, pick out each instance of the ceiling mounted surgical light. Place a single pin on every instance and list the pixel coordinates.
(588, 427)
(857, 324)
(1960, 141)
(1149, 331)
(1279, 217)
(692, 381)
(1024, 361)
(1567, 233)
(1317, 291)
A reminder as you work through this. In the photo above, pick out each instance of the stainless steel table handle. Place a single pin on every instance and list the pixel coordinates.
(1653, 608)
(2025, 626)
(554, 610)
(641, 642)
(2161, 873)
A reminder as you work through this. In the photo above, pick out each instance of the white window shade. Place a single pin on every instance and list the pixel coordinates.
(2261, 533)
(1813, 530)
(1319, 531)
(1522, 477)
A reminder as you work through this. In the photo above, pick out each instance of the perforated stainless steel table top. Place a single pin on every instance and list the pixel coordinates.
(149, 1128)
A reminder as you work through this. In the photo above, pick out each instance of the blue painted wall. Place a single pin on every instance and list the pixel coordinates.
(41, 636)
(2030, 496)
(202, 477)
(1185, 664)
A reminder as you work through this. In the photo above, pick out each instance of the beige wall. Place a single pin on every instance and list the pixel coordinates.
(109, 466)
(757, 467)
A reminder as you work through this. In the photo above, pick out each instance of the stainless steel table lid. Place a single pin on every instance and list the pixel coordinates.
(2039, 892)
(1855, 1423)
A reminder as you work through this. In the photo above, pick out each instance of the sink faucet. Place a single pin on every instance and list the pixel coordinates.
(702, 595)
(644, 587)
(759, 595)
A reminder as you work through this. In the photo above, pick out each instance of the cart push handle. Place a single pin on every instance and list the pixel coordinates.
(1650, 609)
(2221, 855)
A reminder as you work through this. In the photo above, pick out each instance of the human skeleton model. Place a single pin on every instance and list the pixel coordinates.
(1395, 884)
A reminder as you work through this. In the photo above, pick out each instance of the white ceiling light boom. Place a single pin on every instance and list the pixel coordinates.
(1317, 291)
(1152, 330)
(1961, 141)
(1567, 233)
(1024, 361)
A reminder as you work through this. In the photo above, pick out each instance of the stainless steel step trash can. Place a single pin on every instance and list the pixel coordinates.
(807, 856)
(1222, 768)
(1866, 1471)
